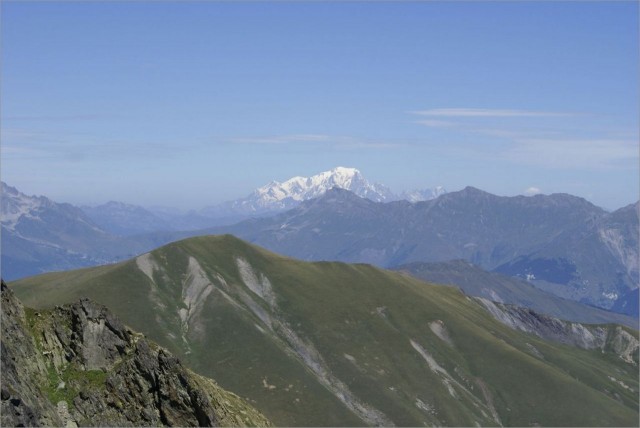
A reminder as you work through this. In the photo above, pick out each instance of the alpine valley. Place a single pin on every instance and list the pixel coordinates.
(324, 343)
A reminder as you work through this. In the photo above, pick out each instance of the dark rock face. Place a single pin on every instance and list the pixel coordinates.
(79, 365)
(23, 404)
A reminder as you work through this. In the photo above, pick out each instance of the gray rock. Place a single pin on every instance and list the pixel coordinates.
(79, 365)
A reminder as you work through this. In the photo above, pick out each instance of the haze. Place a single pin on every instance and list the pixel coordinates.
(190, 104)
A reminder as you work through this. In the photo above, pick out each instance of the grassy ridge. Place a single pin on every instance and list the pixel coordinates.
(373, 332)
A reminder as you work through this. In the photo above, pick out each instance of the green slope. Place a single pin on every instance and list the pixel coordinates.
(338, 344)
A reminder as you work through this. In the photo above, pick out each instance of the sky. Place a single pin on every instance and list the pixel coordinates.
(191, 104)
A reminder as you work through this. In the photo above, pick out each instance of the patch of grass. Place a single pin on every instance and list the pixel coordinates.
(54, 393)
(67, 385)
(34, 322)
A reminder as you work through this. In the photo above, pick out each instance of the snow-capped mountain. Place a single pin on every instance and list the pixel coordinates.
(423, 195)
(304, 188)
(277, 196)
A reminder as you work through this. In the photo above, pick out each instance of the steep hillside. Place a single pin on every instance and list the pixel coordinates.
(336, 344)
(79, 365)
(477, 282)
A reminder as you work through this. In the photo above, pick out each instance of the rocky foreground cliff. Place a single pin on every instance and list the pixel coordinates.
(78, 365)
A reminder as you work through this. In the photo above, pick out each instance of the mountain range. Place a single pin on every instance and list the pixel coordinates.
(39, 235)
(126, 219)
(123, 219)
(335, 344)
(560, 243)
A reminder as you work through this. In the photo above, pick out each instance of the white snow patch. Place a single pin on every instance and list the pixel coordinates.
(531, 191)
(279, 196)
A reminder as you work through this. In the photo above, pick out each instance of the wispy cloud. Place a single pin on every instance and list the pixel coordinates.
(286, 139)
(433, 123)
(34, 144)
(479, 112)
(569, 153)
(55, 118)
(27, 136)
(334, 141)
(540, 138)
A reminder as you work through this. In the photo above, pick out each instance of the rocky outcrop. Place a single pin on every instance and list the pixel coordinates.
(79, 365)
(605, 337)
(23, 402)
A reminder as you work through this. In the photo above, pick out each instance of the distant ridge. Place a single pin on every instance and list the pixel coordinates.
(561, 243)
(277, 196)
(40, 235)
(474, 281)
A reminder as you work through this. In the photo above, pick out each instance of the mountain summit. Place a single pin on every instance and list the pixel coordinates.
(304, 188)
(277, 196)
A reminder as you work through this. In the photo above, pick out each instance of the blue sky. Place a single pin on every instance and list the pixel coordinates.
(190, 104)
